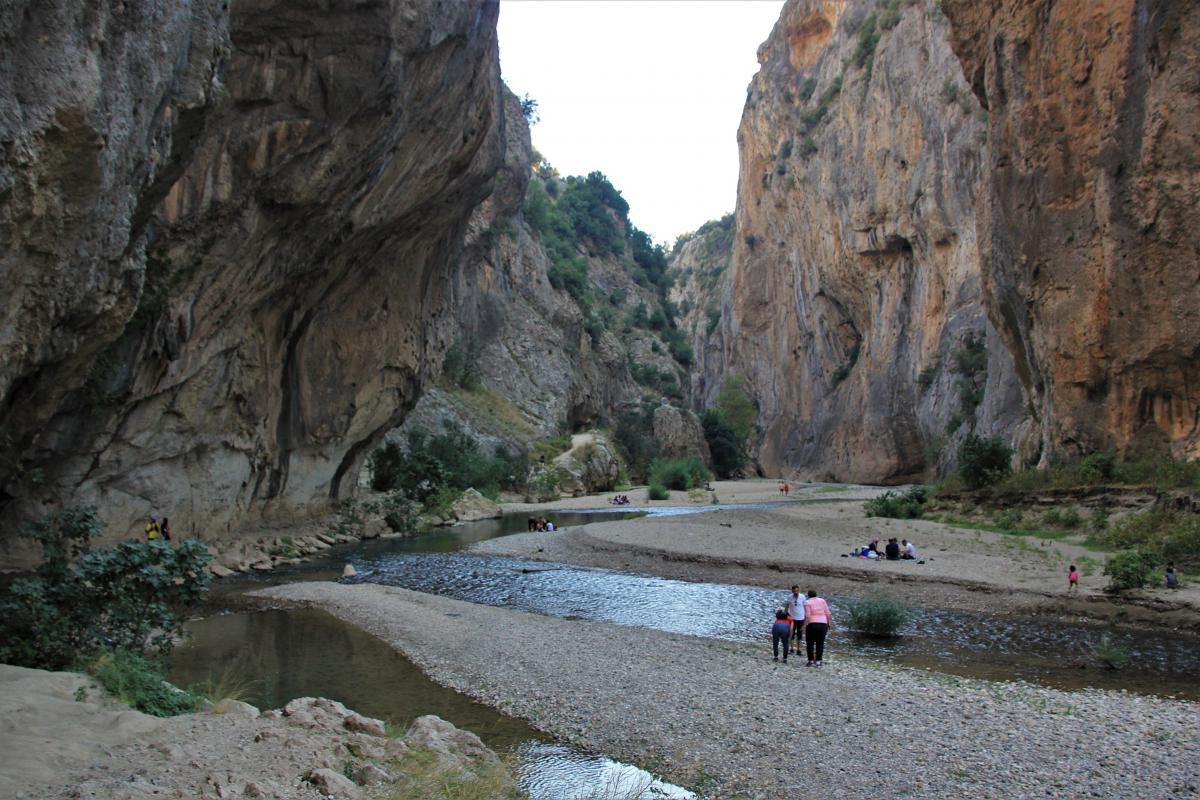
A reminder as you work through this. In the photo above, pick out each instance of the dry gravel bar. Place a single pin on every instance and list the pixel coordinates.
(725, 716)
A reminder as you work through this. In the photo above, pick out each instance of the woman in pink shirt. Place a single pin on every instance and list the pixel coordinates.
(817, 621)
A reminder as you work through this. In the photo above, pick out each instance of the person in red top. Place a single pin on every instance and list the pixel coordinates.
(817, 621)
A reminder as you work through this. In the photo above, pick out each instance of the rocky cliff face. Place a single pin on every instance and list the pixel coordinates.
(231, 231)
(856, 309)
(1087, 209)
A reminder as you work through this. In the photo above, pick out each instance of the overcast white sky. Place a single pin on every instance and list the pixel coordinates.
(649, 92)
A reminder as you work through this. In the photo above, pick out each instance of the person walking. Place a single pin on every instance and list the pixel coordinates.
(152, 529)
(794, 608)
(817, 621)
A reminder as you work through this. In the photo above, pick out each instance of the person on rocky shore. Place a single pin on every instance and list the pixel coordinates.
(793, 606)
(781, 632)
(892, 550)
(817, 621)
(152, 529)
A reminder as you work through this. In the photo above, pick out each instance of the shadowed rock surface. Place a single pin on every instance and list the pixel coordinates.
(275, 230)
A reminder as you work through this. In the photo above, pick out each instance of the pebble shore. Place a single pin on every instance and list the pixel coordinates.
(726, 718)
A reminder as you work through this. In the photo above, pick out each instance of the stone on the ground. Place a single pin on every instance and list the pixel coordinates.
(235, 708)
(349, 571)
(371, 775)
(360, 724)
(332, 783)
(438, 736)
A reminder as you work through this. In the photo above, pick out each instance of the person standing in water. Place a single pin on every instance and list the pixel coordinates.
(817, 621)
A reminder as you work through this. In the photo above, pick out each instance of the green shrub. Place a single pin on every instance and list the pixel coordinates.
(1129, 569)
(735, 405)
(461, 366)
(678, 473)
(657, 492)
(1111, 654)
(634, 435)
(141, 684)
(807, 147)
(877, 616)
(724, 446)
(402, 514)
(1009, 520)
(1171, 535)
(909, 505)
(1068, 519)
(868, 38)
(983, 460)
(712, 314)
(1099, 520)
(451, 459)
(127, 596)
(1097, 467)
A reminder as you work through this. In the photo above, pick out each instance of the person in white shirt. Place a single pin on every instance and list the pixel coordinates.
(907, 549)
(794, 607)
(549, 526)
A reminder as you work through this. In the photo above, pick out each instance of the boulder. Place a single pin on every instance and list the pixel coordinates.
(368, 725)
(333, 784)
(434, 734)
(236, 708)
(349, 571)
(371, 775)
(679, 434)
(473, 506)
(591, 465)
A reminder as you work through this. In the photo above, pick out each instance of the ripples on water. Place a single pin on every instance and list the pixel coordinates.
(955, 641)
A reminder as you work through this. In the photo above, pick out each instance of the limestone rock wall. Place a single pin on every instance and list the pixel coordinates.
(241, 227)
(1087, 212)
(856, 275)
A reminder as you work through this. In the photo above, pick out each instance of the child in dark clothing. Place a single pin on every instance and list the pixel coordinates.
(781, 631)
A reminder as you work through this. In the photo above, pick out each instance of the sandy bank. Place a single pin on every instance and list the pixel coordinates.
(65, 740)
(725, 715)
(806, 543)
(755, 490)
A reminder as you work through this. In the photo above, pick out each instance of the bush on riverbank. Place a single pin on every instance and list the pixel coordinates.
(678, 473)
(428, 464)
(982, 461)
(141, 684)
(1168, 535)
(877, 616)
(1130, 569)
(127, 596)
(909, 505)
(657, 491)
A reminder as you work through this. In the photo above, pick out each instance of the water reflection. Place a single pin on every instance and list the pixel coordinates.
(960, 642)
(277, 656)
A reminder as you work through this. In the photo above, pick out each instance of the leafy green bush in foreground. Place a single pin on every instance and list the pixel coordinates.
(982, 461)
(877, 616)
(80, 600)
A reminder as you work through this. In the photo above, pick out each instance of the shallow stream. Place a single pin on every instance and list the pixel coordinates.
(293, 653)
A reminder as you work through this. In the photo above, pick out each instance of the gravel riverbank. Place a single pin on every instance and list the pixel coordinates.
(724, 717)
(805, 543)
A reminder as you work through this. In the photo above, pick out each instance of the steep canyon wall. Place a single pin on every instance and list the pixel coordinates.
(231, 231)
(967, 217)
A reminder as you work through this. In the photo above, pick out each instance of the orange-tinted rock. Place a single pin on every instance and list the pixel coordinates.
(1088, 212)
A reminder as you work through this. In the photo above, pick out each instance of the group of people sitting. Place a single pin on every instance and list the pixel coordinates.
(620, 500)
(539, 524)
(904, 551)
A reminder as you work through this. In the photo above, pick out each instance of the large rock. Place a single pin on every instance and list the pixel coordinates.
(591, 465)
(1087, 213)
(473, 506)
(307, 170)
(449, 743)
(678, 434)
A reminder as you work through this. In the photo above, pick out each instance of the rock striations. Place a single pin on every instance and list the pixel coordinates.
(967, 222)
(230, 229)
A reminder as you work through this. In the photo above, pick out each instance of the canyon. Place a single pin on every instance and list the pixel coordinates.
(242, 244)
